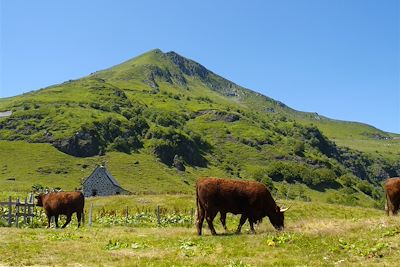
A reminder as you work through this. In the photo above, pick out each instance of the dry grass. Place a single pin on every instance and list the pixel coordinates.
(308, 241)
(316, 234)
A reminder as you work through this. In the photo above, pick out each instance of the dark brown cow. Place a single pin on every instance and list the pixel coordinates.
(62, 203)
(250, 199)
(392, 190)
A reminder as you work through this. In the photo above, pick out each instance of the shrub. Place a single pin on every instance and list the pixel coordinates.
(299, 148)
(324, 176)
(120, 144)
(348, 180)
(369, 189)
(294, 172)
(168, 142)
(260, 175)
(169, 120)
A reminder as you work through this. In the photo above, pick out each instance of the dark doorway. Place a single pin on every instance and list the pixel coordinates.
(94, 192)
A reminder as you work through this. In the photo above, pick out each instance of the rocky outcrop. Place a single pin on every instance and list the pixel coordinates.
(187, 66)
(80, 145)
(218, 115)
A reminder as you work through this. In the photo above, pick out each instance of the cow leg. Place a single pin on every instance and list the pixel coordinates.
(396, 206)
(48, 220)
(387, 208)
(210, 217)
(56, 220)
(200, 219)
(68, 220)
(390, 205)
(251, 222)
(78, 216)
(223, 220)
(243, 219)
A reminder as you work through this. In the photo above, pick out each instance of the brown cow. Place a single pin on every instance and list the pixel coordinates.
(392, 190)
(65, 203)
(249, 198)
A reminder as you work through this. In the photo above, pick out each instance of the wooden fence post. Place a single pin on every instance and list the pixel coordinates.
(158, 215)
(287, 193)
(9, 211)
(90, 214)
(126, 215)
(17, 213)
(25, 207)
(29, 208)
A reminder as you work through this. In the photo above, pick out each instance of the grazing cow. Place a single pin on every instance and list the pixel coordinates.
(249, 198)
(62, 203)
(392, 190)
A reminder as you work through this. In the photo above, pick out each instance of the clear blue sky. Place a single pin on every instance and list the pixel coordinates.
(338, 58)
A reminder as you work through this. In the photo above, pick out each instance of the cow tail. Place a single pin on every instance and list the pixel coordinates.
(83, 210)
(388, 204)
(197, 203)
(200, 209)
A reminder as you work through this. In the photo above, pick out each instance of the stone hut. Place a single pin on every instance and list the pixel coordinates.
(102, 183)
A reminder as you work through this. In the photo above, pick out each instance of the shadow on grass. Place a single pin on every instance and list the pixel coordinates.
(245, 233)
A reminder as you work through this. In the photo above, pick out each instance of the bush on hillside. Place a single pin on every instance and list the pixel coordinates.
(299, 148)
(348, 179)
(168, 142)
(294, 172)
(325, 178)
(109, 134)
(369, 190)
(260, 175)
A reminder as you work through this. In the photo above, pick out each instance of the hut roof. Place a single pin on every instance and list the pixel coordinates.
(107, 174)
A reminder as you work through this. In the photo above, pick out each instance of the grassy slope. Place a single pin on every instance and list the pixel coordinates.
(66, 105)
(359, 136)
(355, 135)
(316, 234)
(42, 164)
(22, 161)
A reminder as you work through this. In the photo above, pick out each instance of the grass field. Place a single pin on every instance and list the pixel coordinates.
(316, 234)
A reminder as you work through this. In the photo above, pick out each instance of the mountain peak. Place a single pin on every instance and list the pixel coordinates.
(155, 51)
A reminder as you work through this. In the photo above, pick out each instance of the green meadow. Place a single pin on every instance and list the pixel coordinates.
(316, 234)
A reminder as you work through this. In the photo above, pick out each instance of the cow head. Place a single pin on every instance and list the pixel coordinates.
(39, 199)
(277, 218)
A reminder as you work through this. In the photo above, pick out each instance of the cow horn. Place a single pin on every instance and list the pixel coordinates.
(283, 209)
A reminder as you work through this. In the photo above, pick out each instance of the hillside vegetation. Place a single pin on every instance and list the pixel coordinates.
(159, 121)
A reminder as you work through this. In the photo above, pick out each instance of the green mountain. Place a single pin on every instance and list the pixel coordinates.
(160, 121)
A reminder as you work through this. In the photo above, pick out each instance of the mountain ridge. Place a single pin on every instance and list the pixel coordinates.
(205, 70)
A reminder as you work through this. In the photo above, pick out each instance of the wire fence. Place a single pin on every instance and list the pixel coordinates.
(25, 214)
